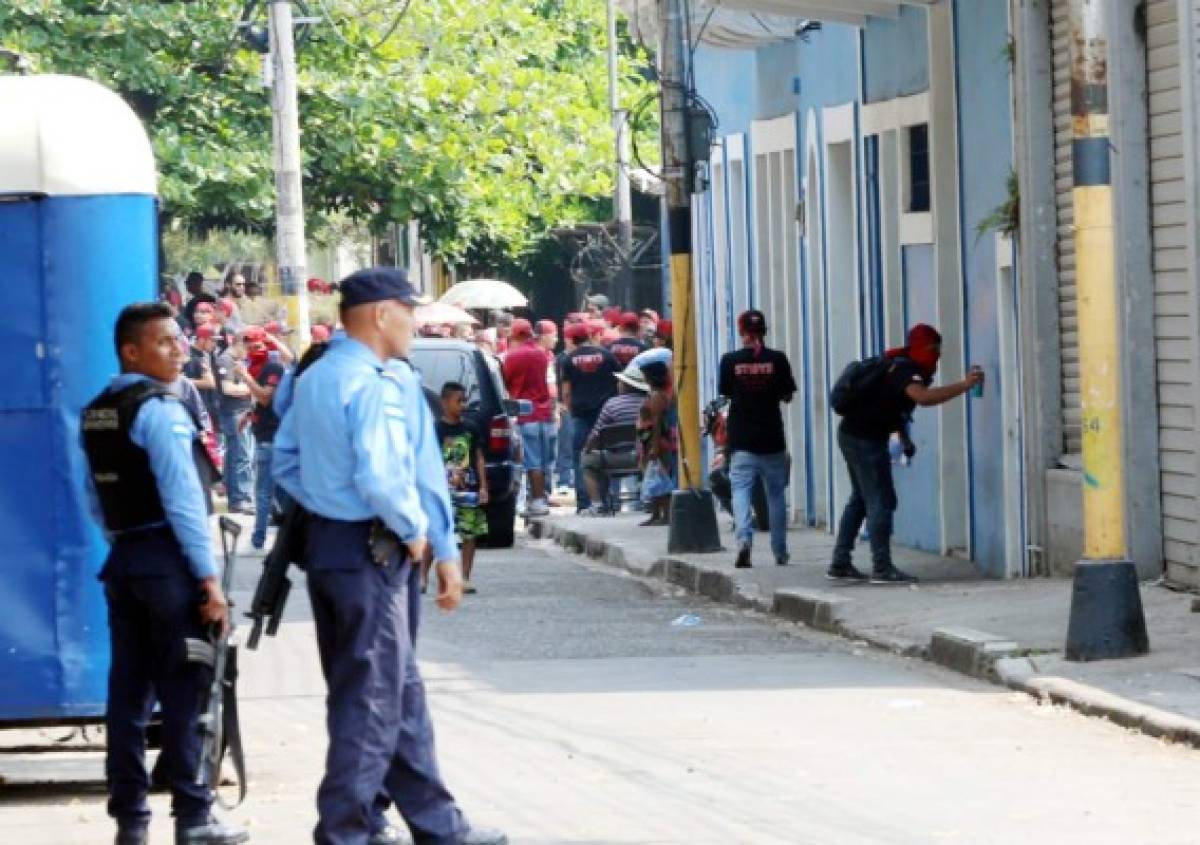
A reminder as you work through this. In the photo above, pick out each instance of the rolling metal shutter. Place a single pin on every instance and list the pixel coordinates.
(1174, 325)
(1068, 321)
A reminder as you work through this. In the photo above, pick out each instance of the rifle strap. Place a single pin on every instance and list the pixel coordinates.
(231, 731)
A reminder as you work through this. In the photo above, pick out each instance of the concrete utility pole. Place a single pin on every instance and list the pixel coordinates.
(289, 193)
(1106, 607)
(693, 517)
(622, 205)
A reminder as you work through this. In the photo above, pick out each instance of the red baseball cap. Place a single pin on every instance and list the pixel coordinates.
(576, 317)
(521, 328)
(320, 333)
(595, 327)
(254, 334)
(665, 329)
(577, 331)
(612, 314)
(629, 320)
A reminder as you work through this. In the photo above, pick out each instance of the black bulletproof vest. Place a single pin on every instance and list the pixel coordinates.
(121, 473)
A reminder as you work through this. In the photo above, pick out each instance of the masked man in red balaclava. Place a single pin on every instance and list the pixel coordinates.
(863, 438)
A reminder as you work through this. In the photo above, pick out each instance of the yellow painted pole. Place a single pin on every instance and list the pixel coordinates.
(687, 379)
(1100, 375)
(1106, 620)
(1096, 288)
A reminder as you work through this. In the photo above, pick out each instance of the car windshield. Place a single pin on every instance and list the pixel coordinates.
(440, 365)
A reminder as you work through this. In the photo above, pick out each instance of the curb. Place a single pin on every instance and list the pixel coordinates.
(977, 654)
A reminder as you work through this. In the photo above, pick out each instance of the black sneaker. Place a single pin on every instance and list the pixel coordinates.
(845, 572)
(892, 575)
(743, 558)
(782, 560)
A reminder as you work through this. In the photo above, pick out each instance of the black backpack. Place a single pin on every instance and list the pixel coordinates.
(858, 384)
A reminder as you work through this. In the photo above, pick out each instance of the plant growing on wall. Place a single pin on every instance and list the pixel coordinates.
(1006, 217)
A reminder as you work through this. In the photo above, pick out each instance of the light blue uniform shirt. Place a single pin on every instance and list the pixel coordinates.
(344, 449)
(430, 465)
(164, 428)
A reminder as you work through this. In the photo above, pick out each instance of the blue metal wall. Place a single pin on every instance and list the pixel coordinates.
(918, 518)
(986, 142)
(71, 264)
(896, 55)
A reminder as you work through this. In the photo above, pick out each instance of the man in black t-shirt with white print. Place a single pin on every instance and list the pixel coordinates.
(588, 381)
(756, 380)
(863, 439)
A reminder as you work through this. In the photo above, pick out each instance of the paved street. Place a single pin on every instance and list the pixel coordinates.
(571, 711)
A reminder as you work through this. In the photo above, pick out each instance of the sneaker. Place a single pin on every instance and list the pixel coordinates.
(743, 558)
(132, 836)
(891, 575)
(389, 835)
(595, 510)
(468, 588)
(782, 560)
(845, 572)
(212, 832)
(537, 507)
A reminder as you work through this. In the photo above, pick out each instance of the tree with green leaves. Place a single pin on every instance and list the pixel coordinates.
(485, 120)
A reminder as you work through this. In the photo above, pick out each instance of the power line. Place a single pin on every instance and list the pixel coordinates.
(395, 25)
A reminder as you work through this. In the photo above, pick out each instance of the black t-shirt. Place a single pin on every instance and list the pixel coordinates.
(461, 444)
(265, 422)
(194, 369)
(890, 408)
(625, 349)
(755, 385)
(591, 372)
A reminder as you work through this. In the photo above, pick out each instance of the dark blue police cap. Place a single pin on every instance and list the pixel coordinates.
(377, 284)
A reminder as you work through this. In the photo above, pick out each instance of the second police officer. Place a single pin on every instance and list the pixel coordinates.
(357, 450)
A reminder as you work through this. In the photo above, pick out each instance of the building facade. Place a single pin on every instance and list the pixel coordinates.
(881, 163)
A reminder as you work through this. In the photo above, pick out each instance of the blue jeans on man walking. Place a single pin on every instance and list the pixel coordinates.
(239, 448)
(872, 498)
(745, 468)
(264, 493)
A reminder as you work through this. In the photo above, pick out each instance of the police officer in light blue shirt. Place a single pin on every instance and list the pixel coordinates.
(146, 470)
(355, 449)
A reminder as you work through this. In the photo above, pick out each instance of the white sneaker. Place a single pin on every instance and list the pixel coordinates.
(538, 507)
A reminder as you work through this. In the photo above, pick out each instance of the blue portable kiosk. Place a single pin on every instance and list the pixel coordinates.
(78, 241)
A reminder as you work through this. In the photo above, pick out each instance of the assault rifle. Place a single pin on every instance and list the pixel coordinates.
(219, 728)
(271, 595)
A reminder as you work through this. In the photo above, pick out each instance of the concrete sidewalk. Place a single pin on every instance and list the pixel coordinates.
(1009, 632)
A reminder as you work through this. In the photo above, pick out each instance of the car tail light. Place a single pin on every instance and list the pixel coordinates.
(500, 433)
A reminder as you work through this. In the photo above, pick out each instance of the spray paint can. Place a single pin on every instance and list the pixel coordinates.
(977, 389)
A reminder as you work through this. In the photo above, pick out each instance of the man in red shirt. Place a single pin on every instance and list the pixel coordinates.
(526, 371)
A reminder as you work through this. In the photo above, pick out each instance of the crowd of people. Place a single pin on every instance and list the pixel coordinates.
(601, 405)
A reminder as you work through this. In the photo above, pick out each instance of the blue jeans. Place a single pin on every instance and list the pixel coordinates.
(537, 441)
(872, 498)
(581, 427)
(239, 449)
(563, 464)
(264, 493)
(745, 468)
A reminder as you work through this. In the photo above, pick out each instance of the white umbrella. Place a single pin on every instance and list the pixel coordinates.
(442, 314)
(484, 293)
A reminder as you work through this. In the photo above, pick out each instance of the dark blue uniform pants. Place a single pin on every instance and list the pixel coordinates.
(872, 498)
(581, 429)
(380, 734)
(153, 605)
